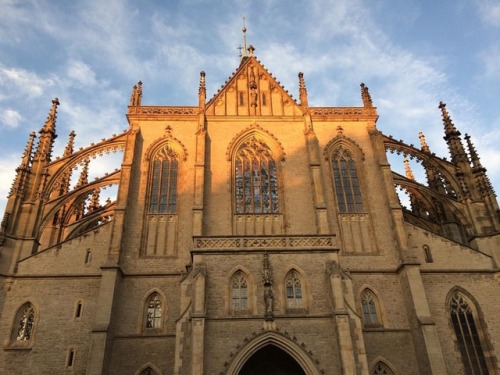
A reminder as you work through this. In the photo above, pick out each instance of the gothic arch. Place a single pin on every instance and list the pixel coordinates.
(348, 143)
(272, 338)
(15, 326)
(261, 134)
(306, 298)
(166, 141)
(384, 362)
(148, 366)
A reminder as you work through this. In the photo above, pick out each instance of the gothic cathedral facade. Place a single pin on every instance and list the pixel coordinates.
(250, 234)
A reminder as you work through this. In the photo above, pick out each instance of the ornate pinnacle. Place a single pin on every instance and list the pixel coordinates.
(303, 91)
(251, 49)
(47, 135)
(476, 163)
(202, 91)
(423, 143)
(365, 96)
(84, 176)
(136, 97)
(94, 200)
(449, 128)
(26, 161)
(409, 172)
(69, 147)
(452, 138)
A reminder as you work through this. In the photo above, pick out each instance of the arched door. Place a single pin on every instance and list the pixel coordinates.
(270, 360)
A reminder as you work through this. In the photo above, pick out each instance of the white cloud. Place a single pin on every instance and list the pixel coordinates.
(489, 12)
(20, 82)
(81, 73)
(10, 118)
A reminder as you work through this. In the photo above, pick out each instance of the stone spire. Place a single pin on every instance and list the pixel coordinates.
(202, 91)
(366, 97)
(408, 171)
(303, 91)
(47, 135)
(423, 143)
(452, 138)
(136, 97)
(476, 163)
(482, 181)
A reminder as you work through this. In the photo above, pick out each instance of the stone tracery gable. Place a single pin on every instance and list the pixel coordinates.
(253, 91)
(282, 340)
(259, 134)
(165, 146)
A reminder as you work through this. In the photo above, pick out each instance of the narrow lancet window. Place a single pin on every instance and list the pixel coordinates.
(163, 193)
(465, 325)
(346, 183)
(293, 290)
(154, 311)
(26, 321)
(256, 185)
(369, 308)
(239, 292)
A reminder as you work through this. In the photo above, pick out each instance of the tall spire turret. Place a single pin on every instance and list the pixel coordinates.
(136, 96)
(452, 138)
(366, 97)
(202, 91)
(482, 181)
(47, 135)
(408, 171)
(84, 175)
(476, 163)
(24, 168)
(68, 150)
(423, 142)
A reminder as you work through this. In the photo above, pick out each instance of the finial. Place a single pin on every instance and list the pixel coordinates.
(365, 96)
(251, 49)
(409, 172)
(29, 147)
(449, 127)
(84, 176)
(50, 123)
(94, 203)
(202, 91)
(340, 131)
(136, 97)
(244, 29)
(423, 143)
(69, 147)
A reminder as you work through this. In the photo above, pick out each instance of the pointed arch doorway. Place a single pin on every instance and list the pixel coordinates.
(271, 360)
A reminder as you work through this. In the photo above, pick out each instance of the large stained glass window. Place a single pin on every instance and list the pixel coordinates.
(346, 183)
(163, 197)
(154, 311)
(256, 185)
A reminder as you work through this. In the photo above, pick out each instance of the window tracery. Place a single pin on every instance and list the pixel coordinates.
(163, 192)
(154, 311)
(293, 286)
(148, 371)
(239, 292)
(25, 323)
(256, 183)
(369, 309)
(346, 182)
(381, 369)
(468, 334)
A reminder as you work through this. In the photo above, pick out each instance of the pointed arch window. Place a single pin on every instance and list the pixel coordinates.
(239, 292)
(148, 371)
(382, 369)
(293, 285)
(370, 309)
(163, 191)
(24, 324)
(256, 185)
(346, 183)
(154, 312)
(468, 334)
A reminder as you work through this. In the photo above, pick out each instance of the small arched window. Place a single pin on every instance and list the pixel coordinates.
(24, 324)
(428, 254)
(468, 333)
(148, 371)
(370, 309)
(345, 180)
(256, 182)
(239, 292)
(382, 369)
(154, 312)
(163, 185)
(293, 287)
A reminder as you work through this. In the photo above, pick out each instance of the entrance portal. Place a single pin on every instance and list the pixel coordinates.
(271, 360)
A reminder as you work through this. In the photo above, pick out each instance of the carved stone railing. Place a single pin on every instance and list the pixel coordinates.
(312, 242)
(162, 110)
(344, 112)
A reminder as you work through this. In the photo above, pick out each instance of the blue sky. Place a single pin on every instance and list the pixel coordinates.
(89, 54)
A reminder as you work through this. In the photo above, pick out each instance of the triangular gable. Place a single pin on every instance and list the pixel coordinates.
(252, 91)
